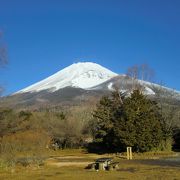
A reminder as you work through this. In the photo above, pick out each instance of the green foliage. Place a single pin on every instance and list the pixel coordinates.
(165, 145)
(176, 139)
(133, 121)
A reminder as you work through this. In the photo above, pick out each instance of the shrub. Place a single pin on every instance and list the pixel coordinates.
(28, 142)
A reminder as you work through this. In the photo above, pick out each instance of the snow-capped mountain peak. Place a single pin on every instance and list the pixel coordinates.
(83, 75)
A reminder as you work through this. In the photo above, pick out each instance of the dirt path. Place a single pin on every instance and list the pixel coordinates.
(63, 164)
(69, 161)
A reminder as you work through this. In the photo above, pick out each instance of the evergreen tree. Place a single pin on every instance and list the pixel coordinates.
(103, 126)
(142, 128)
(132, 121)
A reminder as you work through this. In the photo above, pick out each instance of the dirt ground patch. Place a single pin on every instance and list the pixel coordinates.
(63, 164)
(69, 157)
(62, 161)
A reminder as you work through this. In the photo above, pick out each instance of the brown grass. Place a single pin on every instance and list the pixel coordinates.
(70, 165)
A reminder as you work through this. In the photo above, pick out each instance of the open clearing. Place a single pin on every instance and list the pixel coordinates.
(70, 165)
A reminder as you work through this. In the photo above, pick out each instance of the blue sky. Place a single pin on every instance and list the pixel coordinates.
(44, 36)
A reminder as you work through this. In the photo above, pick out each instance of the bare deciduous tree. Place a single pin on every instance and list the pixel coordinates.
(133, 72)
(142, 72)
(168, 106)
(139, 72)
(146, 73)
(3, 56)
(3, 51)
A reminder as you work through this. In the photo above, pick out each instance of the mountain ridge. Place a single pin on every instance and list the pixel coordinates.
(81, 82)
(83, 75)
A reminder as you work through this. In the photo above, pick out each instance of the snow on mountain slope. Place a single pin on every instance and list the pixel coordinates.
(83, 75)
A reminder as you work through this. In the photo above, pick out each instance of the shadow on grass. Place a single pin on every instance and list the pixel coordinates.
(161, 162)
(132, 170)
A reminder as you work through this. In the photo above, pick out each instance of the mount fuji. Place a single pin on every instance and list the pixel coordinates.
(77, 83)
(80, 75)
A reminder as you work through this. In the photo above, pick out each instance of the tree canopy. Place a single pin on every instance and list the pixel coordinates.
(121, 121)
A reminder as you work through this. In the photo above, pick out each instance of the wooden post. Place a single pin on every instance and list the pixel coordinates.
(129, 153)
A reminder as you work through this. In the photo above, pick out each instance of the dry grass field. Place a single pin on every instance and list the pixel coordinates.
(70, 165)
